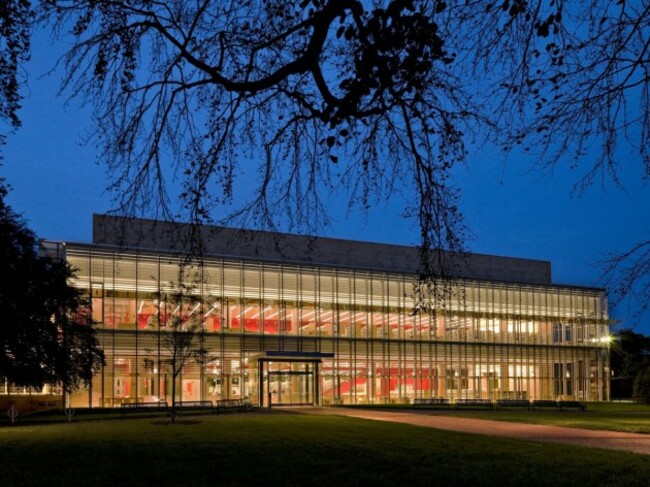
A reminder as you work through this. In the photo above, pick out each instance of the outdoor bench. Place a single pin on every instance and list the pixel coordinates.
(46, 404)
(513, 403)
(564, 405)
(185, 406)
(138, 407)
(541, 403)
(233, 405)
(431, 402)
(247, 404)
(474, 403)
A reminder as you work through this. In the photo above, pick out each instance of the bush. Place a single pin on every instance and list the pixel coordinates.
(641, 390)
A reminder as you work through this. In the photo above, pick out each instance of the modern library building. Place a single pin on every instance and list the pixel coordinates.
(295, 320)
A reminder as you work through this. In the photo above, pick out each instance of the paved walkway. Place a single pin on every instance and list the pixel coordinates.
(614, 440)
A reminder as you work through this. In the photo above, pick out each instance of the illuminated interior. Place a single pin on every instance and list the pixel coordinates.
(307, 334)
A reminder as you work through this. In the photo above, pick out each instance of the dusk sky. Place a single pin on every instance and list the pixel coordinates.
(510, 209)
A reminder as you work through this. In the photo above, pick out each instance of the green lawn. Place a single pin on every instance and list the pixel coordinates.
(294, 449)
(633, 418)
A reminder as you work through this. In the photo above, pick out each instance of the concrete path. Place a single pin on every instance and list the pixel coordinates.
(614, 440)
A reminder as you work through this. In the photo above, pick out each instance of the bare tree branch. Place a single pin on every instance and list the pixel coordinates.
(371, 97)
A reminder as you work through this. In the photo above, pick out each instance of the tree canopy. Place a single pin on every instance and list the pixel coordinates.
(46, 335)
(378, 97)
(15, 27)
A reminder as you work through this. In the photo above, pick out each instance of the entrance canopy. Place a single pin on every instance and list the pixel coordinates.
(301, 356)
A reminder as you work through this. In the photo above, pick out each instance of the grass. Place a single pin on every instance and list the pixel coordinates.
(294, 449)
(627, 417)
(632, 418)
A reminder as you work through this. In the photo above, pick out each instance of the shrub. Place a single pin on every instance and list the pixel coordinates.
(641, 389)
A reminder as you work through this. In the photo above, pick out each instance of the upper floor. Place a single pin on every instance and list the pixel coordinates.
(133, 290)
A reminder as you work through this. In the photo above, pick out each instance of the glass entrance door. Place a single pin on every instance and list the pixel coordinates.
(290, 383)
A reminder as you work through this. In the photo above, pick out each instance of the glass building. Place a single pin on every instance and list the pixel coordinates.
(299, 320)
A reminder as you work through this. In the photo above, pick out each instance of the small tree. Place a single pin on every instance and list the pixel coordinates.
(181, 328)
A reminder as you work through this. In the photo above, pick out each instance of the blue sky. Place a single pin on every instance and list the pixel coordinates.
(510, 210)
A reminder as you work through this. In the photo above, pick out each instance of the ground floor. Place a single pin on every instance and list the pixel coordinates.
(320, 371)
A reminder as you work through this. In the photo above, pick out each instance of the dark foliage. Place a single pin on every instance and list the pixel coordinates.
(15, 24)
(642, 386)
(15, 27)
(629, 357)
(46, 335)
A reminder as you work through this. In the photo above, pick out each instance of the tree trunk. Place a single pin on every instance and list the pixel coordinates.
(174, 373)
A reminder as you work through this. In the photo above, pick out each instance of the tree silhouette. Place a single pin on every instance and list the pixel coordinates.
(628, 274)
(46, 334)
(320, 96)
(15, 21)
(629, 357)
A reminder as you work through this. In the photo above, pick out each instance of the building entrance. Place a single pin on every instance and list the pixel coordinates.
(289, 382)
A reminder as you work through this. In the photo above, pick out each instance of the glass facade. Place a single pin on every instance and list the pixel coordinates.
(307, 334)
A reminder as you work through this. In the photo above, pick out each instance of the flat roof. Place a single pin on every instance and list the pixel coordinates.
(170, 237)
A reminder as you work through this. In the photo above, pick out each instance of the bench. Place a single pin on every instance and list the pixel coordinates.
(513, 403)
(540, 404)
(186, 406)
(234, 405)
(431, 402)
(566, 405)
(139, 407)
(474, 403)
(46, 404)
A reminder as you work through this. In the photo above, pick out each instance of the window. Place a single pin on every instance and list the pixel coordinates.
(558, 379)
(568, 332)
(557, 332)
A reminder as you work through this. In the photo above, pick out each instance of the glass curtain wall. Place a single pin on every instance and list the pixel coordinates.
(489, 340)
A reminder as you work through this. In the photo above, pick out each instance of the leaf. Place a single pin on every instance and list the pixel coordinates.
(542, 30)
